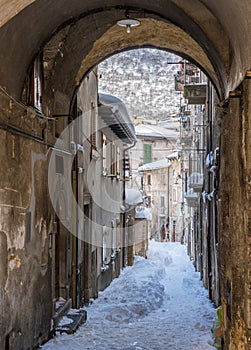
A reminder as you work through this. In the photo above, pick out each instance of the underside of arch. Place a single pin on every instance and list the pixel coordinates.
(83, 33)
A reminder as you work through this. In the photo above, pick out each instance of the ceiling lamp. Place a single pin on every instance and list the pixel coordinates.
(128, 23)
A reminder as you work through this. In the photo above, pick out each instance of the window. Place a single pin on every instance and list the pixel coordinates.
(127, 168)
(113, 158)
(149, 179)
(147, 153)
(28, 227)
(59, 164)
(114, 235)
(163, 179)
(190, 164)
(162, 201)
(104, 154)
(105, 244)
(94, 130)
(36, 83)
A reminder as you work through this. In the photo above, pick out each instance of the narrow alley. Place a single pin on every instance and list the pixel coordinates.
(157, 304)
(125, 132)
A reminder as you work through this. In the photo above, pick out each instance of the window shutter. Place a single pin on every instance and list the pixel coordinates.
(147, 153)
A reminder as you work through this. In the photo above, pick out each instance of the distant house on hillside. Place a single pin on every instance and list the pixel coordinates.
(163, 187)
(153, 143)
(155, 170)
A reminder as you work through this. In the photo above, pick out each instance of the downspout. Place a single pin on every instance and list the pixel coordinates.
(209, 145)
(124, 214)
(74, 237)
(168, 201)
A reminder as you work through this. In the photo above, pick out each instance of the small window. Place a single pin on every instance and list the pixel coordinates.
(28, 227)
(147, 153)
(149, 179)
(104, 232)
(36, 83)
(113, 167)
(127, 167)
(104, 153)
(106, 243)
(163, 179)
(59, 160)
(94, 130)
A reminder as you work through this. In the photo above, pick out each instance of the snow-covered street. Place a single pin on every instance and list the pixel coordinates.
(157, 304)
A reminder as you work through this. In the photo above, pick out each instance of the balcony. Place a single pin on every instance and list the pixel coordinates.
(192, 198)
(195, 182)
(195, 93)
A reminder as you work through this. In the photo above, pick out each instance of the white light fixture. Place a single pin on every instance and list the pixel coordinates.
(128, 23)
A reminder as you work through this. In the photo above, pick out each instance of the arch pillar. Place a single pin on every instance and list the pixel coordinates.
(235, 242)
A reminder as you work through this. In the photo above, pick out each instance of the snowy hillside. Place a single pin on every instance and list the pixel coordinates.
(144, 80)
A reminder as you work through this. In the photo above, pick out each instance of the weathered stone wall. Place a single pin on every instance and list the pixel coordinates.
(246, 159)
(25, 272)
(235, 222)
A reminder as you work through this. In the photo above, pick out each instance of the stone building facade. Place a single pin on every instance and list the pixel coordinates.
(163, 188)
(62, 232)
(200, 148)
(69, 39)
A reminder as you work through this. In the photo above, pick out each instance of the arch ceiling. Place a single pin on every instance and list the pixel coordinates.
(78, 34)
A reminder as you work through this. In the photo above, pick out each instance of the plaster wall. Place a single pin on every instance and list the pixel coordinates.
(25, 273)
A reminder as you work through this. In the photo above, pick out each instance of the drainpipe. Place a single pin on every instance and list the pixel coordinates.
(124, 214)
(168, 193)
(74, 237)
(209, 145)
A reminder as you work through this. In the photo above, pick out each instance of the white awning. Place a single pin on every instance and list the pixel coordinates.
(133, 196)
(114, 113)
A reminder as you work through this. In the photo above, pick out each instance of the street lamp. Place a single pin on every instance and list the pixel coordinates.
(128, 23)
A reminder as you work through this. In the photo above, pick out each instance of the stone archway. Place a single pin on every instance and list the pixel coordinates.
(76, 35)
(220, 30)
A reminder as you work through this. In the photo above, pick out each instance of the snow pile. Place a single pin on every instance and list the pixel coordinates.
(159, 256)
(141, 293)
(157, 304)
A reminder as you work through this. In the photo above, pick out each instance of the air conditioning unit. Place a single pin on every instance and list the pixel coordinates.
(80, 148)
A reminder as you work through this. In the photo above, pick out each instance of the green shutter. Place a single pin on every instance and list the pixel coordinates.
(147, 153)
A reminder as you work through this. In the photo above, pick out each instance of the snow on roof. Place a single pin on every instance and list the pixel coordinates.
(133, 196)
(159, 164)
(173, 155)
(155, 131)
(173, 124)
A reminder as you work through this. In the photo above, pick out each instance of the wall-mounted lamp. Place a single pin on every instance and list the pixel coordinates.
(128, 23)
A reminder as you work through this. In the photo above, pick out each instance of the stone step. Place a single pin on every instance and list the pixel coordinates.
(72, 321)
(61, 311)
